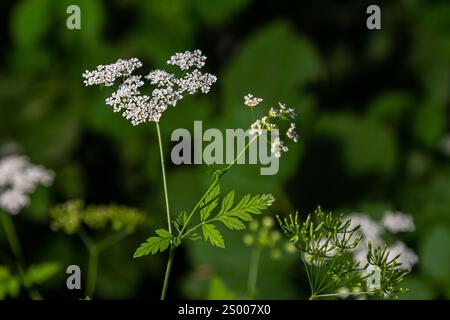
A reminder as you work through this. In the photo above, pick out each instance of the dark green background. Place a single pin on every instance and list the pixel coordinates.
(373, 108)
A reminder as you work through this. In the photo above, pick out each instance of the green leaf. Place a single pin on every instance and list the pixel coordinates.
(9, 284)
(210, 203)
(232, 223)
(227, 203)
(40, 273)
(211, 234)
(154, 244)
(251, 205)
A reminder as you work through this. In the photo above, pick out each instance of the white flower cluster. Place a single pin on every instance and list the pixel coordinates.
(139, 108)
(186, 60)
(19, 178)
(372, 231)
(268, 123)
(107, 74)
(252, 101)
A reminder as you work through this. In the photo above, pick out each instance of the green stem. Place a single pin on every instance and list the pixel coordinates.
(163, 171)
(215, 182)
(92, 271)
(253, 272)
(169, 220)
(13, 240)
(167, 273)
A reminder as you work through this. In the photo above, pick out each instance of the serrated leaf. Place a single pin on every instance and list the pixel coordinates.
(154, 244)
(40, 273)
(163, 233)
(232, 223)
(213, 235)
(227, 203)
(251, 205)
(210, 203)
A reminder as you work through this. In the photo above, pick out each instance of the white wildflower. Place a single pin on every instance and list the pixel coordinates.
(291, 133)
(286, 112)
(397, 222)
(278, 147)
(252, 101)
(107, 74)
(274, 113)
(256, 128)
(162, 78)
(139, 108)
(195, 80)
(19, 178)
(188, 59)
(407, 258)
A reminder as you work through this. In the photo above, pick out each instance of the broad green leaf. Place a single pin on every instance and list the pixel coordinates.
(30, 21)
(211, 234)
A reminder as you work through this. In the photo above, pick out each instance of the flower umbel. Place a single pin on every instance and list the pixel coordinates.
(18, 179)
(140, 108)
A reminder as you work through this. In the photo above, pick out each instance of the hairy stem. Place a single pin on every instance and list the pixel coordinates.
(253, 272)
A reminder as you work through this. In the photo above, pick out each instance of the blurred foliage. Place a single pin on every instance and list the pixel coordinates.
(373, 109)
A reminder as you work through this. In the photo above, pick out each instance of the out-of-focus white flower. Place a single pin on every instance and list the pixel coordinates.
(107, 74)
(369, 229)
(252, 101)
(398, 222)
(19, 178)
(445, 144)
(139, 108)
(408, 257)
(291, 133)
(278, 147)
(186, 60)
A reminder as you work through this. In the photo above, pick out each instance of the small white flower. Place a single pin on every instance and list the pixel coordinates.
(278, 147)
(398, 222)
(291, 133)
(107, 74)
(186, 60)
(286, 112)
(256, 128)
(195, 80)
(162, 78)
(19, 178)
(274, 113)
(251, 101)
